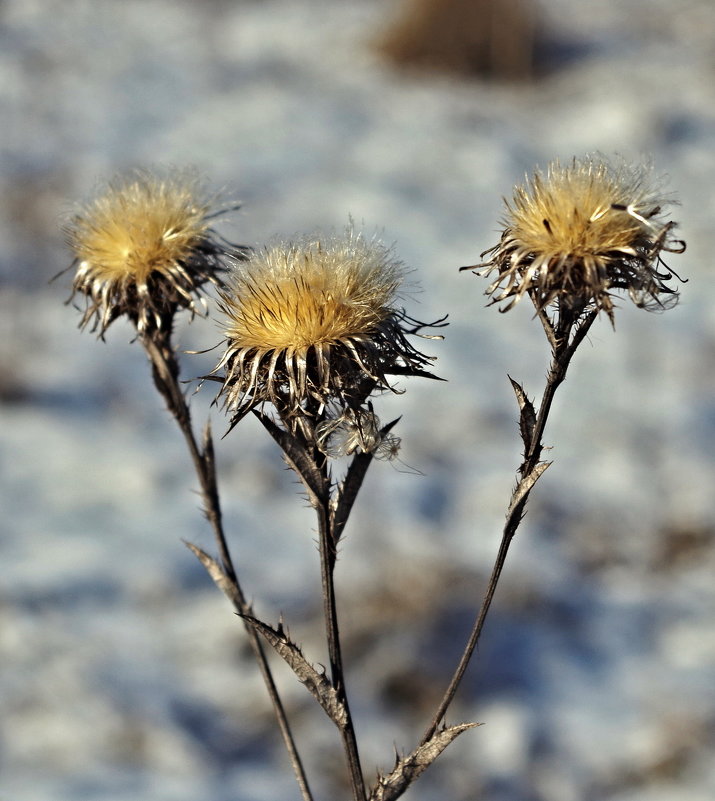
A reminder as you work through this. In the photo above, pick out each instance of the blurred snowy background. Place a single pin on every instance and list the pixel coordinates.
(123, 673)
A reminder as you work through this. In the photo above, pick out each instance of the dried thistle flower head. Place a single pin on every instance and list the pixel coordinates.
(582, 231)
(315, 321)
(144, 247)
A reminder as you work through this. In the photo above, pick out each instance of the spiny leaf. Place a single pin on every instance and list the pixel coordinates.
(298, 459)
(408, 768)
(317, 683)
(208, 445)
(527, 416)
(525, 485)
(346, 494)
(209, 460)
(219, 577)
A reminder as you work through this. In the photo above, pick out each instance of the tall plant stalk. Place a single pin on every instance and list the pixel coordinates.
(165, 372)
(564, 338)
(299, 445)
(328, 558)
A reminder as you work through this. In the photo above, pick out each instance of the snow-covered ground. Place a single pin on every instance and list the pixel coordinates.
(123, 673)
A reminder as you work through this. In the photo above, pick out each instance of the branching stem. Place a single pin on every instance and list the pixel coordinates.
(166, 378)
(564, 345)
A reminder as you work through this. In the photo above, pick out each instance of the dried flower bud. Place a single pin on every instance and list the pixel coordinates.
(315, 321)
(577, 234)
(356, 431)
(145, 247)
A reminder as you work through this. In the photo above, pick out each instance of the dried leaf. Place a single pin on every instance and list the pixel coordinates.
(527, 416)
(209, 460)
(408, 768)
(317, 683)
(219, 577)
(298, 459)
(347, 492)
(525, 485)
(208, 446)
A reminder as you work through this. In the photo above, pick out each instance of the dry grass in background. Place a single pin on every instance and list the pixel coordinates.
(488, 38)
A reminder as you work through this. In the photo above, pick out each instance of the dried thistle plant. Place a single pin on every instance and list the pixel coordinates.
(571, 239)
(145, 247)
(579, 233)
(313, 330)
(315, 322)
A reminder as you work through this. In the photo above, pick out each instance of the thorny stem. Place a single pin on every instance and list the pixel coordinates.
(563, 348)
(166, 378)
(328, 558)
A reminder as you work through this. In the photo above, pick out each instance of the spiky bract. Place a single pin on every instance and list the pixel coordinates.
(315, 321)
(580, 232)
(144, 247)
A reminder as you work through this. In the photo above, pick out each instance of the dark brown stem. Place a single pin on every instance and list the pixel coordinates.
(564, 346)
(328, 558)
(166, 378)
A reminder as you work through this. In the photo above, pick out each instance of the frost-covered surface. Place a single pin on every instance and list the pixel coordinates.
(123, 673)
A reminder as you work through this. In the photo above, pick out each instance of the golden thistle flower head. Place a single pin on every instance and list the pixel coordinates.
(144, 247)
(577, 234)
(313, 322)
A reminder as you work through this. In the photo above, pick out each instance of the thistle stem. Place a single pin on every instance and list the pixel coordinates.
(328, 558)
(166, 378)
(563, 348)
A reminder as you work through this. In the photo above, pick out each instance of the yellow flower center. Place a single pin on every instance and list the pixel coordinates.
(138, 228)
(293, 299)
(574, 213)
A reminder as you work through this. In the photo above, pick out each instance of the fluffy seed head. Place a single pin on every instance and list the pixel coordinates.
(144, 247)
(314, 319)
(356, 431)
(578, 233)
